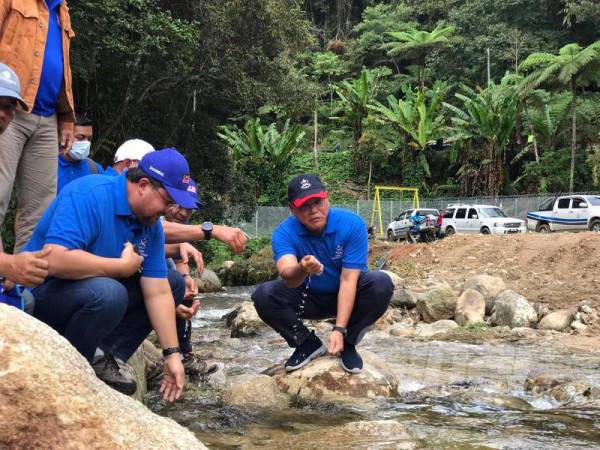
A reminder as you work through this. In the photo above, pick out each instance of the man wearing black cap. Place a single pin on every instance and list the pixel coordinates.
(321, 256)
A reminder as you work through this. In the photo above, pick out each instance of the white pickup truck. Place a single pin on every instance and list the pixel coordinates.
(567, 213)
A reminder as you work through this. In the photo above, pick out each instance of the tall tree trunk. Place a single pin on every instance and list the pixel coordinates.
(369, 181)
(573, 132)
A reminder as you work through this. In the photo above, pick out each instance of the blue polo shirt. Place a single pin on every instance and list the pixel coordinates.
(93, 214)
(52, 77)
(110, 171)
(70, 171)
(343, 244)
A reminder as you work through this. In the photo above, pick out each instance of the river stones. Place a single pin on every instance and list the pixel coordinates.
(566, 391)
(488, 286)
(437, 303)
(396, 280)
(255, 391)
(558, 320)
(470, 308)
(208, 282)
(403, 298)
(51, 398)
(324, 381)
(513, 310)
(244, 321)
(390, 317)
(431, 329)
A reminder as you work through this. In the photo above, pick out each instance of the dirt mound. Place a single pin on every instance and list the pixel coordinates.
(557, 269)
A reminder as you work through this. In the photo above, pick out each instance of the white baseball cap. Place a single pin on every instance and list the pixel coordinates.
(134, 149)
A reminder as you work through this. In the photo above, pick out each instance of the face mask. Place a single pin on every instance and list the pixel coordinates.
(80, 150)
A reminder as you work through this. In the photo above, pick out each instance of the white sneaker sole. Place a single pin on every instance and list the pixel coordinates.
(318, 352)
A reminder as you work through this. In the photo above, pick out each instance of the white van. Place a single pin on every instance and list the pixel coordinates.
(475, 219)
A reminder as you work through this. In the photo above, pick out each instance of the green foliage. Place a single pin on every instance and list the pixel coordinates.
(215, 253)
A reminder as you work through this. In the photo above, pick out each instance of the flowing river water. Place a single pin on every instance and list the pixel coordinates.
(453, 395)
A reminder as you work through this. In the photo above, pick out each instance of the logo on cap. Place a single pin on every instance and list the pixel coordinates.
(305, 184)
(186, 180)
(7, 76)
(192, 189)
(155, 170)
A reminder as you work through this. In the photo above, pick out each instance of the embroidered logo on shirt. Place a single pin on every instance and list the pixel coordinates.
(305, 184)
(142, 247)
(339, 252)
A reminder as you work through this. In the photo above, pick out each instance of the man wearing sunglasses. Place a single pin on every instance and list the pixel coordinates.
(108, 284)
(321, 256)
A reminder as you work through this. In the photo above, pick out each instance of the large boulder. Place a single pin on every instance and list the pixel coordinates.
(324, 381)
(437, 303)
(403, 298)
(513, 310)
(398, 283)
(470, 308)
(431, 329)
(255, 391)
(208, 282)
(558, 320)
(488, 286)
(244, 321)
(51, 398)
(260, 267)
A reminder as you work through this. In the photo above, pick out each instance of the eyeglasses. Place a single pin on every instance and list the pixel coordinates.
(167, 199)
(306, 207)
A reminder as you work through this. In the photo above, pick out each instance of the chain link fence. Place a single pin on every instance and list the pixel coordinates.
(266, 218)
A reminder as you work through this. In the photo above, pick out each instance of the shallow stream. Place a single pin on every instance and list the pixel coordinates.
(453, 395)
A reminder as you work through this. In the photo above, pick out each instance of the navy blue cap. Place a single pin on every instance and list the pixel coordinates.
(193, 191)
(170, 169)
(304, 187)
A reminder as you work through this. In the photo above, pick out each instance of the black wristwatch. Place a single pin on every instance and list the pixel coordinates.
(341, 330)
(207, 228)
(169, 351)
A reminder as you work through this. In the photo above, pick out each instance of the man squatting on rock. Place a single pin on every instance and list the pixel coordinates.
(109, 285)
(321, 256)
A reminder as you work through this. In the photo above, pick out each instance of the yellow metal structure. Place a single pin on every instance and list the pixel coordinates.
(377, 202)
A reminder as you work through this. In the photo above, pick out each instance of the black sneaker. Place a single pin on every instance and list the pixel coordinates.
(107, 369)
(310, 349)
(351, 360)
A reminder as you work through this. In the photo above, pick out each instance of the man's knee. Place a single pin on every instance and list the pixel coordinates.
(264, 295)
(177, 284)
(381, 289)
(106, 296)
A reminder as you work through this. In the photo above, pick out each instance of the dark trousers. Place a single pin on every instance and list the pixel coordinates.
(283, 308)
(99, 312)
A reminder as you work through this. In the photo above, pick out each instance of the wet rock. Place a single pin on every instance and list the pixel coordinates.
(401, 330)
(145, 363)
(558, 320)
(513, 310)
(244, 321)
(564, 390)
(324, 381)
(51, 398)
(352, 435)
(470, 308)
(540, 383)
(437, 303)
(390, 317)
(494, 399)
(488, 286)
(260, 267)
(431, 329)
(255, 391)
(403, 298)
(209, 282)
(398, 283)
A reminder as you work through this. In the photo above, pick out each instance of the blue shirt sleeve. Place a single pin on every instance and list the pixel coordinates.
(282, 243)
(155, 264)
(75, 223)
(356, 250)
(100, 169)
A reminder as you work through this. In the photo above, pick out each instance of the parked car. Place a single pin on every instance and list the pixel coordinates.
(484, 219)
(399, 228)
(566, 213)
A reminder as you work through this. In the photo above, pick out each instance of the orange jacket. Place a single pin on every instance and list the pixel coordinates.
(23, 31)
